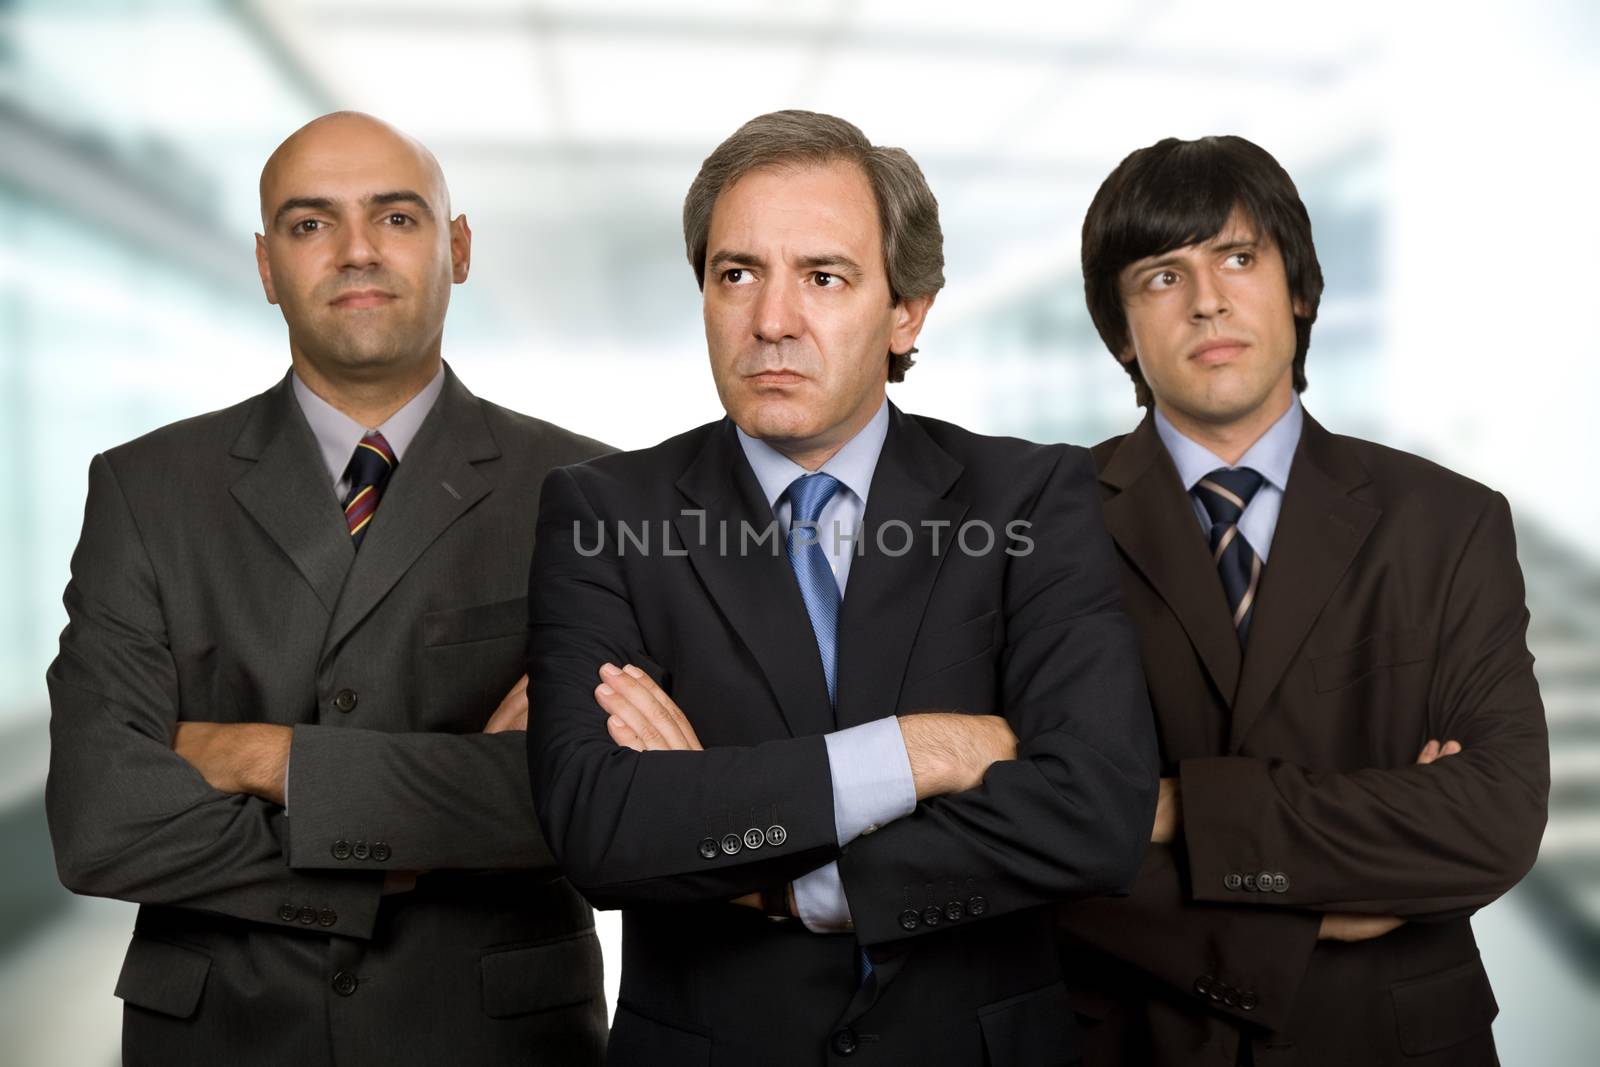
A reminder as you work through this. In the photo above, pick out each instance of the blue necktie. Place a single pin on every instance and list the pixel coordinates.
(1225, 493)
(808, 495)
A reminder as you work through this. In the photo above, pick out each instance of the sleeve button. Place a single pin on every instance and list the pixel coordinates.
(910, 920)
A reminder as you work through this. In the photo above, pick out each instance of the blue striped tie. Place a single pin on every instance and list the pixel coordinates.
(1225, 493)
(808, 495)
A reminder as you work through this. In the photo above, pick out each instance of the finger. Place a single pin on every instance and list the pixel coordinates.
(616, 704)
(623, 734)
(520, 687)
(670, 706)
(1450, 748)
(1429, 753)
(660, 720)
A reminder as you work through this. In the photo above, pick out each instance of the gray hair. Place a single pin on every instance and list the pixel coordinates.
(908, 214)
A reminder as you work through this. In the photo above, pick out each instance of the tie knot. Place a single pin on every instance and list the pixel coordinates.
(371, 462)
(1226, 492)
(809, 494)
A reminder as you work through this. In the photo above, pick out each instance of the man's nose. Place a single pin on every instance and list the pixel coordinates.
(1209, 300)
(778, 315)
(358, 247)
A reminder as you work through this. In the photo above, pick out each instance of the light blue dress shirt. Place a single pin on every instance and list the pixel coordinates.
(872, 781)
(338, 434)
(1271, 456)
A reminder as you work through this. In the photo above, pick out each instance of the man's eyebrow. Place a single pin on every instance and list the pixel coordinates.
(1174, 258)
(733, 258)
(295, 203)
(401, 196)
(838, 261)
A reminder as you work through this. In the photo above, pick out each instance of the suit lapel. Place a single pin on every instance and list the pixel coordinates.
(1154, 525)
(434, 485)
(1320, 529)
(285, 488)
(752, 583)
(888, 589)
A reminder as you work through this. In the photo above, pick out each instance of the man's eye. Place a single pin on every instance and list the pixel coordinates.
(1241, 259)
(398, 219)
(737, 276)
(1163, 279)
(824, 280)
(307, 225)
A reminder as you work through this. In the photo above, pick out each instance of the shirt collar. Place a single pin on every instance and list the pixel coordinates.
(852, 465)
(1271, 456)
(338, 434)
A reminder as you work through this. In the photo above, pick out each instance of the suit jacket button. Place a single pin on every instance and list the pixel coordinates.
(776, 835)
(731, 843)
(345, 700)
(380, 852)
(932, 915)
(1250, 882)
(754, 838)
(910, 920)
(1264, 882)
(287, 912)
(1234, 880)
(360, 850)
(977, 906)
(341, 849)
(344, 983)
(1202, 985)
(1218, 991)
(1280, 883)
(307, 915)
(327, 917)
(709, 849)
(1248, 1001)
(955, 910)
(844, 1041)
(1230, 997)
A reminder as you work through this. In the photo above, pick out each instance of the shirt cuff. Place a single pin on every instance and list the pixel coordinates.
(820, 901)
(872, 782)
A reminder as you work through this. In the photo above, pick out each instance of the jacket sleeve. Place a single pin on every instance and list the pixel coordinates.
(436, 801)
(1071, 816)
(641, 827)
(129, 818)
(1414, 841)
(1261, 954)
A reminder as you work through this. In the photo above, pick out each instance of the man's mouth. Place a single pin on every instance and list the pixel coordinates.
(356, 299)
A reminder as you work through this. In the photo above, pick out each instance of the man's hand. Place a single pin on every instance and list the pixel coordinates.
(512, 714)
(240, 757)
(951, 753)
(1337, 926)
(1169, 812)
(642, 717)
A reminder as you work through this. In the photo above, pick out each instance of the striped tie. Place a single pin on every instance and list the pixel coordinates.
(1225, 493)
(367, 474)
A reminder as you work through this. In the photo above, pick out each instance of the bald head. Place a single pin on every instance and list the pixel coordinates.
(339, 145)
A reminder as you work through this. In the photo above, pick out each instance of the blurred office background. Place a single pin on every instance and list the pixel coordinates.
(1446, 153)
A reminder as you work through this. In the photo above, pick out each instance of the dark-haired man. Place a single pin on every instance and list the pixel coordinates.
(290, 678)
(1333, 632)
(802, 577)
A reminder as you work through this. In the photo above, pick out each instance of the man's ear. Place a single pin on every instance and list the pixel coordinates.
(1298, 306)
(909, 315)
(1127, 355)
(460, 249)
(264, 268)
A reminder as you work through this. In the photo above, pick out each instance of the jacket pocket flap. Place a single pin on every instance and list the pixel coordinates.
(1390, 648)
(540, 977)
(1438, 1010)
(457, 626)
(1032, 1030)
(163, 977)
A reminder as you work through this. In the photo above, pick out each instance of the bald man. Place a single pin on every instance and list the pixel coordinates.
(287, 717)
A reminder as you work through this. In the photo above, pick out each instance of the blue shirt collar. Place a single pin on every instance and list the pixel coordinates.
(852, 465)
(338, 434)
(1272, 455)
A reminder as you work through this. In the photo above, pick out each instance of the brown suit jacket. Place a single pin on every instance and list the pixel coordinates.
(1390, 612)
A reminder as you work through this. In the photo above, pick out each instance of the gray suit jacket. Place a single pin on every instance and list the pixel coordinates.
(215, 581)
